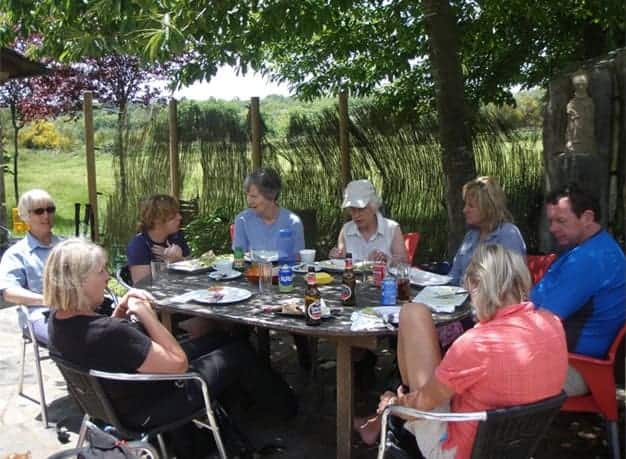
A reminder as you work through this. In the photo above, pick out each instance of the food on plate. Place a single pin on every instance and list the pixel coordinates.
(293, 308)
(207, 258)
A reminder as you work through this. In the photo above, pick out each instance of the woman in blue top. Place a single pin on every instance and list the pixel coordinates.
(258, 227)
(159, 236)
(489, 222)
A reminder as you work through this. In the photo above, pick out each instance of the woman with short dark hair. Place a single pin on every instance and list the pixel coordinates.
(258, 227)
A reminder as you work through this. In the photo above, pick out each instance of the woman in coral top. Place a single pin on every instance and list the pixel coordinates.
(514, 355)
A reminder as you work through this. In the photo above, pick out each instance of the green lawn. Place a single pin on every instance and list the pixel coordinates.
(64, 176)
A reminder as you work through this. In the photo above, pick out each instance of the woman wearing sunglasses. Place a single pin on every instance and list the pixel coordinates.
(21, 267)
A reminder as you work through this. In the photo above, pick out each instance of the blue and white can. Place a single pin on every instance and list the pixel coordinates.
(285, 279)
(388, 291)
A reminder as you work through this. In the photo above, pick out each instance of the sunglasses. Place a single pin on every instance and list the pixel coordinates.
(41, 210)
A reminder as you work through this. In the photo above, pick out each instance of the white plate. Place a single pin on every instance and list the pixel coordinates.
(215, 275)
(338, 265)
(442, 298)
(263, 255)
(425, 278)
(189, 266)
(231, 295)
(303, 268)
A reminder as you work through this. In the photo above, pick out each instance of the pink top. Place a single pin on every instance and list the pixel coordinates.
(517, 357)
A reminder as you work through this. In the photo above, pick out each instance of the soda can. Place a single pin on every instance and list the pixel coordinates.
(388, 292)
(378, 272)
(285, 279)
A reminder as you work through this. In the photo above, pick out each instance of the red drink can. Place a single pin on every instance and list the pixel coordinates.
(379, 272)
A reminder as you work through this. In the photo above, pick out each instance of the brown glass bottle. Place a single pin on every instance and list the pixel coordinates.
(348, 283)
(312, 299)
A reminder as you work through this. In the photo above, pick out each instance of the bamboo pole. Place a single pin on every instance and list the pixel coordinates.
(173, 128)
(255, 129)
(344, 140)
(91, 161)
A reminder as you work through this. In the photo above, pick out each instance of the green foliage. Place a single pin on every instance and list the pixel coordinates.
(42, 134)
(209, 232)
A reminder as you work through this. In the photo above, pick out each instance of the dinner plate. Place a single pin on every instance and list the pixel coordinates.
(442, 298)
(338, 265)
(193, 265)
(425, 278)
(230, 295)
(262, 255)
(216, 275)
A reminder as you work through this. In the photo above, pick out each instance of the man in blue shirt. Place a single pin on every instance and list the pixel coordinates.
(585, 286)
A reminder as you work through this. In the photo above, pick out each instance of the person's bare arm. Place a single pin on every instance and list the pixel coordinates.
(398, 249)
(339, 251)
(139, 272)
(21, 295)
(431, 395)
(165, 354)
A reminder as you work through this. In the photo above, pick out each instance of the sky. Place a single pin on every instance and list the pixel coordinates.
(227, 85)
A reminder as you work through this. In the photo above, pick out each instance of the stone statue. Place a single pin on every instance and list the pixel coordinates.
(579, 135)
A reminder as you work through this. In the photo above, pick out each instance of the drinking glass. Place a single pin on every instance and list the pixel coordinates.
(157, 270)
(265, 277)
(404, 284)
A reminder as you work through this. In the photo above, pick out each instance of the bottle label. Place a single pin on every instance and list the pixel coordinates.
(379, 273)
(314, 310)
(389, 292)
(285, 279)
(346, 292)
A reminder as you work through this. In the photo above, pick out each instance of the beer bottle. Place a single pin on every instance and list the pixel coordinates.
(312, 299)
(348, 283)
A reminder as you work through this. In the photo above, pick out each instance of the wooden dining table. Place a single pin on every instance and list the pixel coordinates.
(253, 312)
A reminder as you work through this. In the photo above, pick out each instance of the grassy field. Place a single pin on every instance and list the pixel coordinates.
(64, 176)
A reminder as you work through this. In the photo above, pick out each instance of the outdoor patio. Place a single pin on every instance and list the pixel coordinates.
(310, 435)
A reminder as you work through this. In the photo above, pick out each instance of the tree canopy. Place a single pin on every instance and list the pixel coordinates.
(369, 47)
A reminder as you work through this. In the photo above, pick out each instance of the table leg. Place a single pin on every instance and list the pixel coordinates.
(345, 400)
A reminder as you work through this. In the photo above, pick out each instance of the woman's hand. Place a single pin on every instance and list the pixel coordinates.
(173, 253)
(388, 398)
(336, 252)
(141, 308)
(377, 255)
(122, 307)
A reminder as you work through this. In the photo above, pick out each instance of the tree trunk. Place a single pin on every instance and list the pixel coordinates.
(3, 197)
(457, 154)
(121, 150)
(16, 130)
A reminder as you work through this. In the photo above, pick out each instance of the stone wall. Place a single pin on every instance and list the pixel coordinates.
(602, 169)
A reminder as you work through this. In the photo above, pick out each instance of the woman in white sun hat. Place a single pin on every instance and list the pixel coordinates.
(368, 235)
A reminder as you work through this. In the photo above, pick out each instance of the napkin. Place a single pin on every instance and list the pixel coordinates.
(361, 321)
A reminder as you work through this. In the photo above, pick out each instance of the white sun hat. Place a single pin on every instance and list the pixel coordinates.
(358, 193)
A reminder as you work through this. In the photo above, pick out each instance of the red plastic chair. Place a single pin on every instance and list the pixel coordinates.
(539, 264)
(600, 379)
(411, 241)
(232, 232)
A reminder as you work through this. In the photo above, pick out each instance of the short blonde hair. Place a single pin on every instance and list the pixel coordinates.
(493, 274)
(29, 200)
(67, 267)
(157, 208)
(490, 199)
